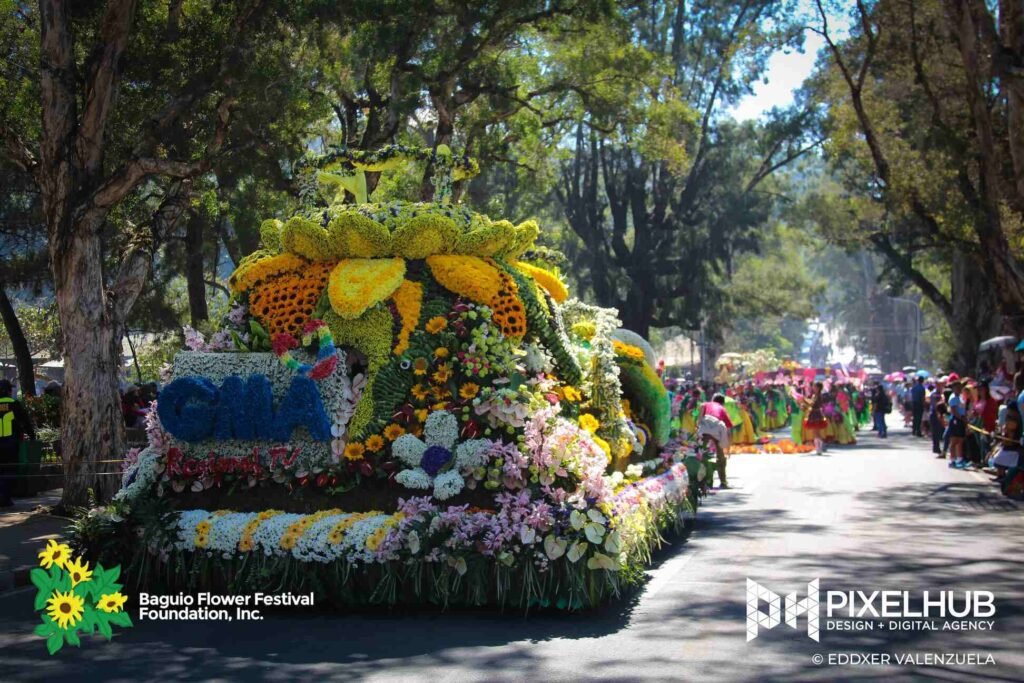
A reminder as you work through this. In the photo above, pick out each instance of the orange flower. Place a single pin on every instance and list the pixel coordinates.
(374, 443)
(355, 451)
(419, 392)
(436, 324)
(469, 390)
(441, 353)
(420, 366)
(441, 393)
(393, 431)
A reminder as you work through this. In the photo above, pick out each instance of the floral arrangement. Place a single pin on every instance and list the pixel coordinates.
(461, 432)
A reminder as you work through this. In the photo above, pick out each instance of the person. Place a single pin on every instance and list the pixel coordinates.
(936, 417)
(917, 405)
(986, 412)
(714, 425)
(815, 422)
(15, 423)
(880, 405)
(957, 423)
(132, 407)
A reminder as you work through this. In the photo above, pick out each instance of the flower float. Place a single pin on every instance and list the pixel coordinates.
(408, 407)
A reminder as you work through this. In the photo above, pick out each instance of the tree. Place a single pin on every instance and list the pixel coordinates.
(661, 191)
(188, 67)
(923, 115)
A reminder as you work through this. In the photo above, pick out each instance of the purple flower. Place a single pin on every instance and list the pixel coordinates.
(434, 458)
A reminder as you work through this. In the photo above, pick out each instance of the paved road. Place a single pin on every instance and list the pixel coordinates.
(877, 516)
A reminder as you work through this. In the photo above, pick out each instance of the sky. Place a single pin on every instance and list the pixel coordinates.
(787, 70)
(785, 73)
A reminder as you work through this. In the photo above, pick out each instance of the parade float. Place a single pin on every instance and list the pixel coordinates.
(403, 406)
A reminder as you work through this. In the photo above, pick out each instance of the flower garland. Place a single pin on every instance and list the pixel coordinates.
(327, 353)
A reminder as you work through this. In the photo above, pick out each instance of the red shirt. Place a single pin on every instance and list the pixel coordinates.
(712, 409)
(989, 411)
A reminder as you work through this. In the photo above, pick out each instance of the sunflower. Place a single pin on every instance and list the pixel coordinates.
(393, 431)
(419, 392)
(420, 366)
(441, 393)
(441, 353)
(79, 571)
(55, 554)
(355, 451)
(65, 608)
(114, 602)
(443, 373)
(469, 390)
(374, 443)
(421, 415)
(436, 324)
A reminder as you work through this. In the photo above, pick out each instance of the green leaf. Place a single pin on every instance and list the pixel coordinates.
(41, 598)
(121, 619)
(54, 643)
(88, 623)
(44, 630)
(41, 580)
(105, 629)
(72, 638)
(113, 574)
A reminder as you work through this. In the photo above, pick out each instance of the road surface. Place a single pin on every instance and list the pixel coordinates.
(882, 515)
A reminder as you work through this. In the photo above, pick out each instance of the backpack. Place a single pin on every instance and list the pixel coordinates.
(887, 403)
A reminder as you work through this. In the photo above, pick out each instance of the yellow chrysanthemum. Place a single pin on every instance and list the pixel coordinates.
(419, 392)
(441, 353)
(393, 431)
(79, 571)
(252, 273)
(546, 279)
(111, 603)
(355, 451)
(571, 393)
(589, 423)
(374, 443)
(55, 554)
(65, 609)
(421, 414)
(436, 324)
(408, 300)
(356, 284)
(628, 350)
(469, 390)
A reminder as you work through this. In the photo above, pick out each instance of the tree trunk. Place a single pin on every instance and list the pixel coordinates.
(22, 355)
(194, 274)
(92, 427)
(975, 316)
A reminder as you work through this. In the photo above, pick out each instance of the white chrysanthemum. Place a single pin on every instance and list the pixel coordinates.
(435, 462)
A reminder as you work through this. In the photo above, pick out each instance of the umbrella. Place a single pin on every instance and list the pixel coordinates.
(910, 368)
(895, 377)
(997, 343)
(923, 373)
(1020, 347)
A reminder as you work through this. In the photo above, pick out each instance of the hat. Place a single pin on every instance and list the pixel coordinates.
(953, 377)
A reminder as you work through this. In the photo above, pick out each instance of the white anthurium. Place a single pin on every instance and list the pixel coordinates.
(577, 520)
(554, 546)
(596, 516)
(602, 561)
(412, 540)
(435, 462)
(576, 551)
(594, 532)
(613, 543)
(527, 534)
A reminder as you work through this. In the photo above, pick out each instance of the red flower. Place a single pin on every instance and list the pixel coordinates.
(470, 430)
(312, 325)
(283, 342)
(321, 480)
(324, 368)
(366, 468)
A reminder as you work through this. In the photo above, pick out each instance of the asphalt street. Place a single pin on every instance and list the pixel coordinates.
(881, 515)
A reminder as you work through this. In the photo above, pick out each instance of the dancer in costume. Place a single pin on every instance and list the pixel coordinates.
(815, 422)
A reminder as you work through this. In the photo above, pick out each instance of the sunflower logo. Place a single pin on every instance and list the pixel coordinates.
(74, 599)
